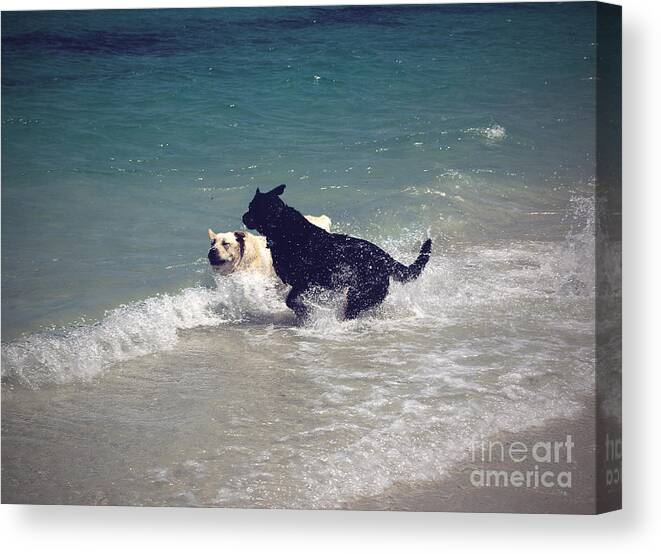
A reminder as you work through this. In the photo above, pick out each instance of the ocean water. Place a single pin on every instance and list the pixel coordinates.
(131, 374)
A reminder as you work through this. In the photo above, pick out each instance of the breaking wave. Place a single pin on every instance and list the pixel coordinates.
(456, 282)
(493, 336)
(136, 329)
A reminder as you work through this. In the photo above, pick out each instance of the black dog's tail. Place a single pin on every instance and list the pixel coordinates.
(403, 273)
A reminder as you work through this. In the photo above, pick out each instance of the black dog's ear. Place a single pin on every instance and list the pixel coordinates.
(277, 191)
(257, 191)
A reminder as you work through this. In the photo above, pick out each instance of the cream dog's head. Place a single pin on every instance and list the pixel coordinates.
(226, 250)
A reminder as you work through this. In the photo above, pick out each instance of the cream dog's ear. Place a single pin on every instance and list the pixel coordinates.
(212, 235)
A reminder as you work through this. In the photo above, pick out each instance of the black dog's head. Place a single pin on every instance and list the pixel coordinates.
(265, 211)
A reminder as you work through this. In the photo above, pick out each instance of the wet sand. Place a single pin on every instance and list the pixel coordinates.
(456, 493)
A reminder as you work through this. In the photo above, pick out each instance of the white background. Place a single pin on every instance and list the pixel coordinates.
(637, 527)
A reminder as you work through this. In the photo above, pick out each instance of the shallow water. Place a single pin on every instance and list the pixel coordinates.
(236, 406)
(131, 374)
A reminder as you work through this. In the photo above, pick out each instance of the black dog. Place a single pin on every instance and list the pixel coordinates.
(305, 256)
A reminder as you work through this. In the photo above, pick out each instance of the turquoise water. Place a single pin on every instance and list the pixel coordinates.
(126, 134)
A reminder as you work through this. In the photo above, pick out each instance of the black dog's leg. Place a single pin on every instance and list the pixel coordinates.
(295, 302)
(361, 299)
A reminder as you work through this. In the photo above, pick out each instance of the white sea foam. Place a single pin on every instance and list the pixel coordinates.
(493, 132)
(488, 339)
(452, 284)
(491, 337)
(144, 327)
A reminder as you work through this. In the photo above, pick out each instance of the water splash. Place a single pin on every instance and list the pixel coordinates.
(457, 281)
(152, 325)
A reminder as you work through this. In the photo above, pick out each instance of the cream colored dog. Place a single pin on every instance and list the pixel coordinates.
(241, 250)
